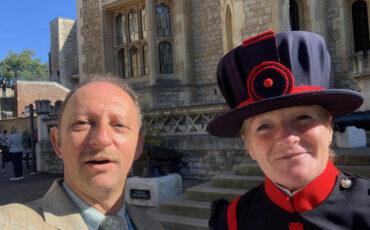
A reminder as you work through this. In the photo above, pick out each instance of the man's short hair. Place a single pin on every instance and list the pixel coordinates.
(109, 78)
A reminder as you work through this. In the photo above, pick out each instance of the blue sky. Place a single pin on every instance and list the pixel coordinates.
(24, 24)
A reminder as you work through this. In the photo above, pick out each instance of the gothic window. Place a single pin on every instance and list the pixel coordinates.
(293, 15)
(163, 20)
(133, 26)
(144, 22)
(131, 48)
(135, 62)
(121, 63)
(121, 36)
(145, 55)
(165, 57)
(229, 30)
(360, 26)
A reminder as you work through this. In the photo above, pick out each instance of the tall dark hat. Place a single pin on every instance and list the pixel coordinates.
(269, 72)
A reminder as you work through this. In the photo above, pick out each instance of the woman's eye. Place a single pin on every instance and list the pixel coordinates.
(303, 117)
(262, 127)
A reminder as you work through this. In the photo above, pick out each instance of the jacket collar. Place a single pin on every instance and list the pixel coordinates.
(59, 211)
(308, 197)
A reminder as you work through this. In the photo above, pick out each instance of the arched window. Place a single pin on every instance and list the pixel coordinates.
(144, 22)
(293, 15)
(163, 20)
(229, 29)
(145, 55)
(121, 63)
(165, 57)
(133, 26)
(120, 29)
(135, 63)
(360, 26)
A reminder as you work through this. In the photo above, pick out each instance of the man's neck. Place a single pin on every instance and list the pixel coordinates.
(105, 201)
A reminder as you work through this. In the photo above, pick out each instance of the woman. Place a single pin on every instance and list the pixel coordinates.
(16, 151)
(276, 86)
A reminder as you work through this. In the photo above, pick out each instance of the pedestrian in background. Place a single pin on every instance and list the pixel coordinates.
(3, 85)
(4, 147)
(16, 151)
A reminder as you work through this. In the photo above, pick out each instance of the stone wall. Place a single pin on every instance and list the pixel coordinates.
(258, 17)
(47, 160)
(28, 92)
(63, 52)
(91, 37)
(7, 107)
(206, 47)
(20, 123)
(206, 155)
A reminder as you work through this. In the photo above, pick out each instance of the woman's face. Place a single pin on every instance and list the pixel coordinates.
(291, 145)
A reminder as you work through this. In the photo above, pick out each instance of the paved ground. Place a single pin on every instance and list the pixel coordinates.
(30, 188)
(33, 187)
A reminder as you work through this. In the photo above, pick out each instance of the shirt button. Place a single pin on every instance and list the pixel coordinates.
(346, 183)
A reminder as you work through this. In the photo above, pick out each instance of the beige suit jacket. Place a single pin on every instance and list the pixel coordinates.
(56, 211)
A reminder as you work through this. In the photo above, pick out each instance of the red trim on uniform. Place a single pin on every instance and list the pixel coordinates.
(231, 215)
(298, 89)
(257, 38)
(309, 197)
(268, 83)
(295, 226)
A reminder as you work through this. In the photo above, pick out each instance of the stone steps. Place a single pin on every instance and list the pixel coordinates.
(230, 180)
(188, 208)
(192, 210)
(206, 192)
(175, 222)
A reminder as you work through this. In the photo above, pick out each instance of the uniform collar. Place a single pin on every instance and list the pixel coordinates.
(308, 197)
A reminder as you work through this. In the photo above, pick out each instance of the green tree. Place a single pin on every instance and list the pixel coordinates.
(24, 66)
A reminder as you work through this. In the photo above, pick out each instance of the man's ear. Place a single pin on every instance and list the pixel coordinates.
(55, 139)
(140, 145)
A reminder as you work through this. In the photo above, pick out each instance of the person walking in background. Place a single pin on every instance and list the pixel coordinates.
(15, 143)
(4, 147)
(3, 85)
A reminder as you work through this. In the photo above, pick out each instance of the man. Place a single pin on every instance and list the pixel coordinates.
(98, 137)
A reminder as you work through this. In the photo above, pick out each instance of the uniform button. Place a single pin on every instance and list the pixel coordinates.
(346, 183)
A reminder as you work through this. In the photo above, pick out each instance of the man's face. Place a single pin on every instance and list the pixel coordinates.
(98, 138)
(291, 145)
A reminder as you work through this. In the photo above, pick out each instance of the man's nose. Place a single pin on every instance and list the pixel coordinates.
(101, 136)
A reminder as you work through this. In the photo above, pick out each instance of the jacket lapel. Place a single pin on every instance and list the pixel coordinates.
(59, 211)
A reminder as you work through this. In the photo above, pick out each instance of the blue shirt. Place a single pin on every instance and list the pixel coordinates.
(91, 216)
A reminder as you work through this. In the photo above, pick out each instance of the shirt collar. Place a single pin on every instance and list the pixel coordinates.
(309, 196)
(90, 215)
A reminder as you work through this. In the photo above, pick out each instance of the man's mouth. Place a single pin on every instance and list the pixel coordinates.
(99, 162)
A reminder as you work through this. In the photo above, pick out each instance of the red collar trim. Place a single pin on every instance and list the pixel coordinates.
(307, 198)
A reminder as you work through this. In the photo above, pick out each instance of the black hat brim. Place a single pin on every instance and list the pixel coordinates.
(339, 102)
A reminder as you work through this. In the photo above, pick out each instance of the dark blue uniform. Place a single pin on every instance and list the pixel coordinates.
(334, 200)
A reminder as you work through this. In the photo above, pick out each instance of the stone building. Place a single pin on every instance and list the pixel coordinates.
(168, 51)
(63, 57)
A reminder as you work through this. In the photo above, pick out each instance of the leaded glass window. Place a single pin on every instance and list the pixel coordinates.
(163, 20)
(145, 55)
(121, 63)
(119, 31)
(135, 62)
(360, 26)
(165, 57)
(144, 22)
(294, 15)
(133, 26)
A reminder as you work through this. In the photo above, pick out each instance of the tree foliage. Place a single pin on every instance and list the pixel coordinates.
(23, 66)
